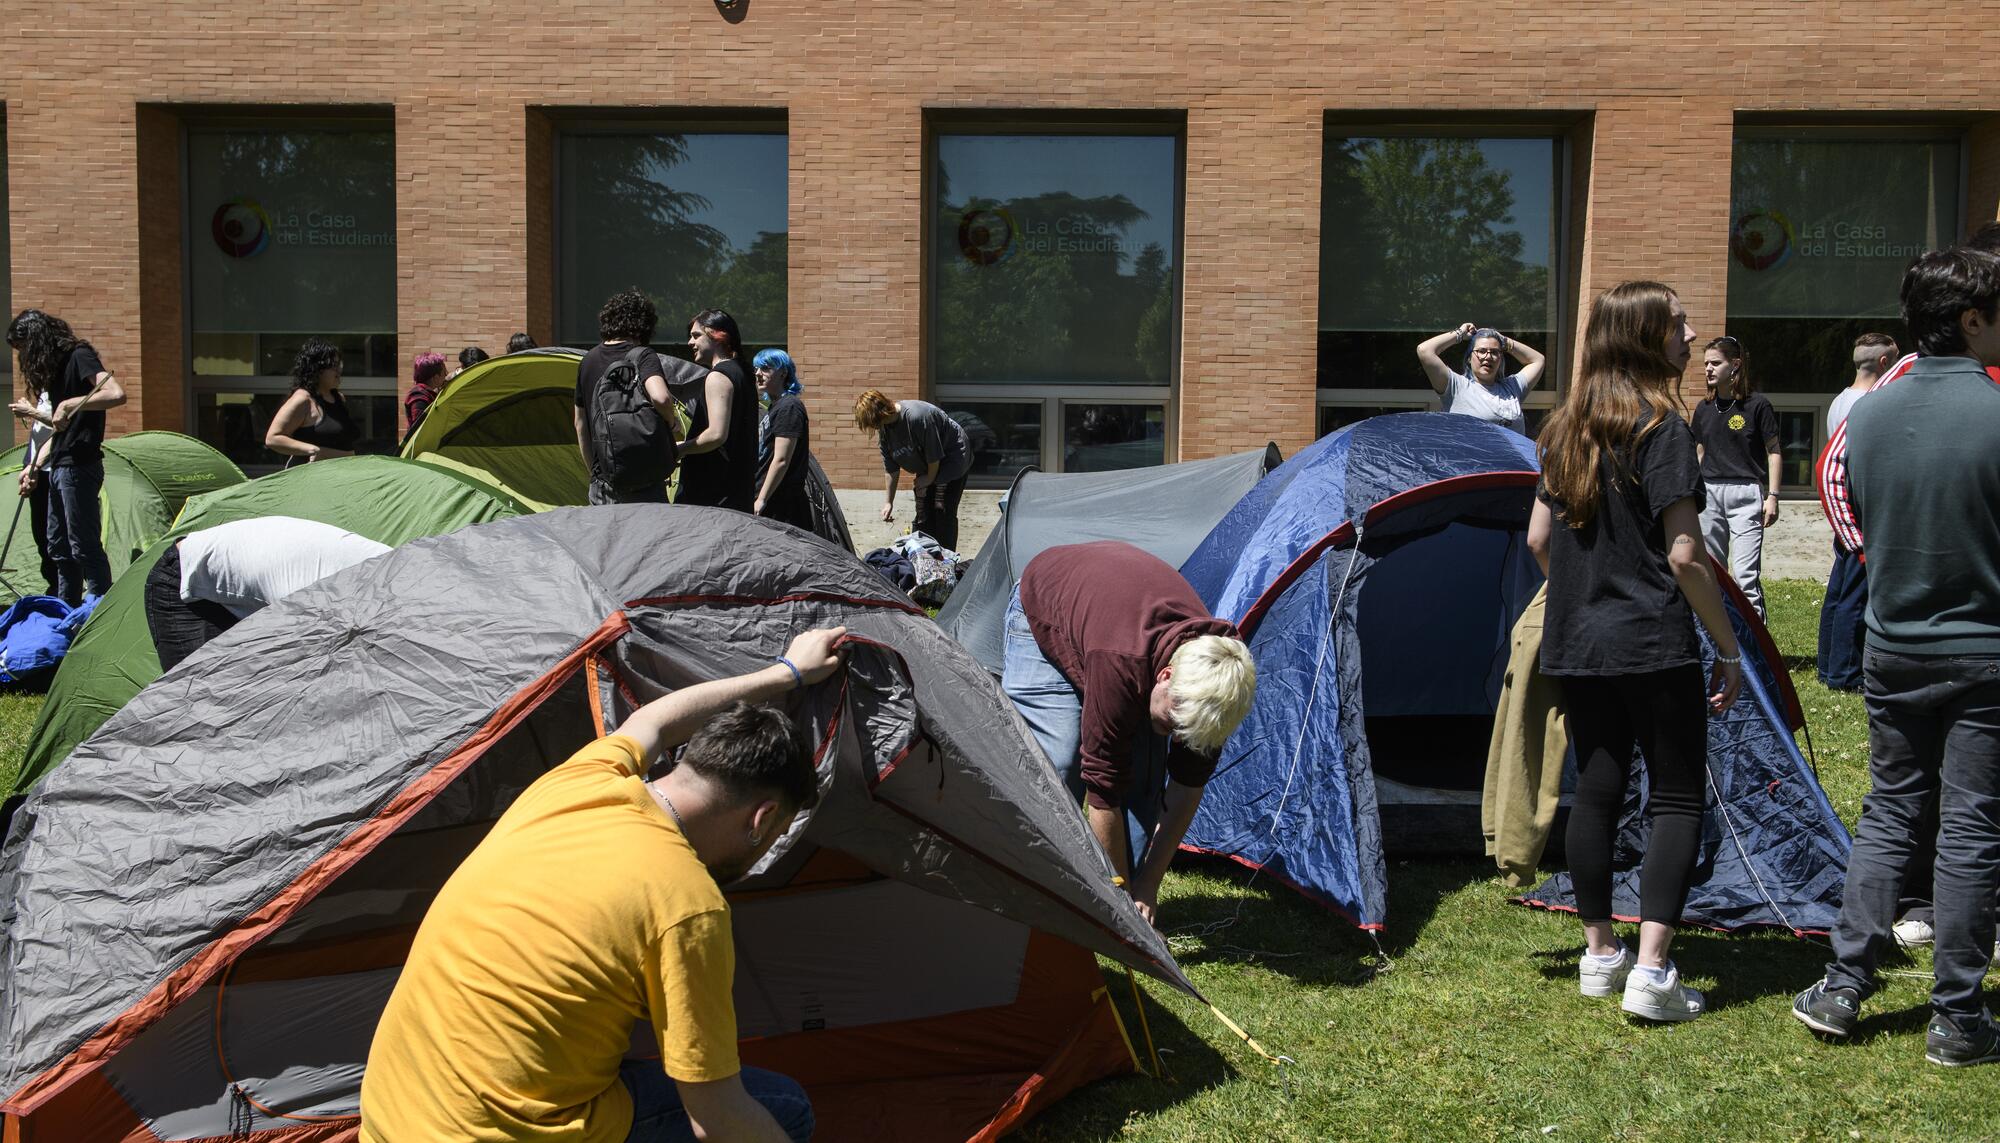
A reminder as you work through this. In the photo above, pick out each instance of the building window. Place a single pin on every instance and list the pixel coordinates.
(1823, 222)
(1054, 294)
(696, 218)
(8, 431)
(1422, 232)
(291, 233)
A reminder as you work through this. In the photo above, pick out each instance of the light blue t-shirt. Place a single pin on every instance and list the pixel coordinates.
(1499, 405)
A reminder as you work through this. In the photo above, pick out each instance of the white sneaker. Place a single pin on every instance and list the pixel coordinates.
(1911, 933)
(1665, 1000)
(1605, 978)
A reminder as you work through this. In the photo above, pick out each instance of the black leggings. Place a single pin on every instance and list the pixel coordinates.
(937, 511)
(179, 627)
(1664, 714)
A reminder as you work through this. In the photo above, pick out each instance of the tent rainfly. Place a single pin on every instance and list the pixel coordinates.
(148, 476)
(203, 911)
(1377, 576)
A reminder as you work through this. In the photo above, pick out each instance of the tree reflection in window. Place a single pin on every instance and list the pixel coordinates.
(695, 219)
(1037, 284)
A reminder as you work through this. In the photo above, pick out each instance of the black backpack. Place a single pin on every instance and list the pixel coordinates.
(631, 447)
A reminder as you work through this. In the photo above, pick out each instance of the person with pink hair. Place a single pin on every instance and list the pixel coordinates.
(426, 380)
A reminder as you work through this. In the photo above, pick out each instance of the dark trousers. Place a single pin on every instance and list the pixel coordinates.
(601, 493)
(179, 627)
(937, 511)
(1843, 618)
(38, 523)
(76, 530)
(658, 1115)
(1933, 732)
(1663, 714)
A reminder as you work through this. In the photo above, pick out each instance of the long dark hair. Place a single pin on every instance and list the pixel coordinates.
(1625, 374)
(719, 321)
(44, 342)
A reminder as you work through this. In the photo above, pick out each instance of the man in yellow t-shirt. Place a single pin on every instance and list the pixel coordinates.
(595, 903)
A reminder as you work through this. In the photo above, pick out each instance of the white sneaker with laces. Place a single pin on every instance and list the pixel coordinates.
(1911, 933)
(1605, 978)
(1654, 999)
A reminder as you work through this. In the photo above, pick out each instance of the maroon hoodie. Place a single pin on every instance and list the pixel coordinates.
(1110, 618)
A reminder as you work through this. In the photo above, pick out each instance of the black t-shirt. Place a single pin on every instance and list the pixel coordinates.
(1614, 606)
(724, 478)
(785, 418)
(1736, 438)
(595, 364)
(82, 441)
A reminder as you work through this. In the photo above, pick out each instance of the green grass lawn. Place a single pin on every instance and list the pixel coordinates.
(1474, 1029)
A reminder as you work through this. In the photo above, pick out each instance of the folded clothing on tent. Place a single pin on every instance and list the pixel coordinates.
(35, 634)
(921, 566)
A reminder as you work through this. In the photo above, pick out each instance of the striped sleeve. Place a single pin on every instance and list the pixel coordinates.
(1831, 472)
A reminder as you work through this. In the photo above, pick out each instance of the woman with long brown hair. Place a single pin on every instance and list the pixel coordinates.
(1616, 527)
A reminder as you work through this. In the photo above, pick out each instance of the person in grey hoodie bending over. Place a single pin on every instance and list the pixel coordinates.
(919, 438)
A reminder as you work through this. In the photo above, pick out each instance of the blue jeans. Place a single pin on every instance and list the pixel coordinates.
(1843, 618)
(76, 530)
(1933, 732)
(658, 1117)
(1053, 710)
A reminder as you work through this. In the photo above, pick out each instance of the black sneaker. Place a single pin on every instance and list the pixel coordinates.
(1953, 1045)
(1829, 1011)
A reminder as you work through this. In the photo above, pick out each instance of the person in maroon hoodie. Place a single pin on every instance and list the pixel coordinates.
(1108, 651)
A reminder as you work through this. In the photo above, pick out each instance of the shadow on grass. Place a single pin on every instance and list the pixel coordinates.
(1269, 925)
(1744, 968)
(1190, 1066)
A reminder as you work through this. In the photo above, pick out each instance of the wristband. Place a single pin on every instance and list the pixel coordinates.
(798, 680)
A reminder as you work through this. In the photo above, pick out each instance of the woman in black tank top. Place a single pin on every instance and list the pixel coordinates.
(314, 423)
(719, 460)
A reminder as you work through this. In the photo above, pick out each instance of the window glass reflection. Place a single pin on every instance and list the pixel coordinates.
(235, 423)
(696, 219)
(1332, 417)
(1418, 235)
(1006, 437)
(1053, 258)
(1098, 438)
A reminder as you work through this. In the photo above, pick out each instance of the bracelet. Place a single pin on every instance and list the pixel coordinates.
(798, 680)
(1735, 660)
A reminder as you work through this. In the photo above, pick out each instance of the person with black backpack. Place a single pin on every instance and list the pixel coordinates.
(624, 413)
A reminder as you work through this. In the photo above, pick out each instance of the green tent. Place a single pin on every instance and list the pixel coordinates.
(508, 420)
(147, 477)
(386, 499)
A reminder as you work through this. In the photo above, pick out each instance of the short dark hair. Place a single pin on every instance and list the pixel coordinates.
(519, 342)
(470, 356)
(1942, 285)
(1986, 237)
(628, 316)
(754, 752)
(316, 356)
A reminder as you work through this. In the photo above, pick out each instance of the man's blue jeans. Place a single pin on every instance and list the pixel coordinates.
(1933, 732)
(658, 1117)
(1053, 710)
(76, 530)
(1843, 618)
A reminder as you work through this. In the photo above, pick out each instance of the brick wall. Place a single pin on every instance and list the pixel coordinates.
(92, 211)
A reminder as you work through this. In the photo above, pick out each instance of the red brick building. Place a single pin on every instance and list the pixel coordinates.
(1102, 234)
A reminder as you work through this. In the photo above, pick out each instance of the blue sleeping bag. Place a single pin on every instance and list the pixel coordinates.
(35, 634)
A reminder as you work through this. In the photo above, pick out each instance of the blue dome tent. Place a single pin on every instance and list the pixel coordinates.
(1377, 576)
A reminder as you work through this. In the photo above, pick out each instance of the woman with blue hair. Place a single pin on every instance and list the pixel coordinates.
(1483, 388)
(784, 441)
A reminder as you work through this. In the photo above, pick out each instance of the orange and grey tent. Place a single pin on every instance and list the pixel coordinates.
(203, 911)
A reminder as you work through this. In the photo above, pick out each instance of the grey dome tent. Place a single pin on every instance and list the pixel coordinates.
(203, 911)
(1165, 510)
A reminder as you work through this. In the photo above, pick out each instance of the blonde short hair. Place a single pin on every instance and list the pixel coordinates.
(1213, 682)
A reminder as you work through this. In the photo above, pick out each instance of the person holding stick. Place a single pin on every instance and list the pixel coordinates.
(57, 362)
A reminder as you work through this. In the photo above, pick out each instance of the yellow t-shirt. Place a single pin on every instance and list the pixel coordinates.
(581, 913)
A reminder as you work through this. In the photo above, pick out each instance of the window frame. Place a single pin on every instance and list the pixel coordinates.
(567, 123)
(1564, 131)
(192, 121)
(1053, 396)
(1945, 128)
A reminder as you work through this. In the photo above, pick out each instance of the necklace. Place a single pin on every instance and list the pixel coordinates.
(671, 811)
